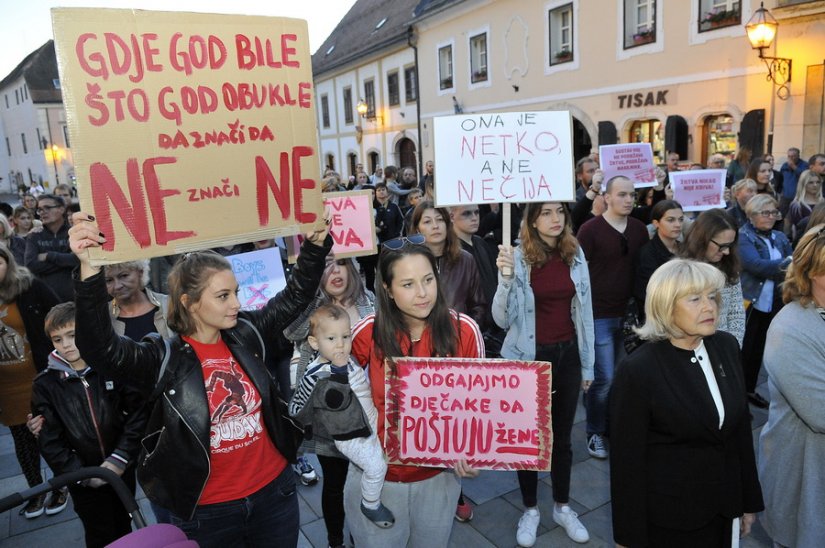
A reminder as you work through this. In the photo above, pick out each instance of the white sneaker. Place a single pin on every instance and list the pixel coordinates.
(569, 519)
(527, 527)
(596, 447)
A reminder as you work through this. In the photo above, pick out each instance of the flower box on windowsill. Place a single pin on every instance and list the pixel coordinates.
(446, 83)
(479, 76)
(563, 56)
(643, 38)
(720, 18)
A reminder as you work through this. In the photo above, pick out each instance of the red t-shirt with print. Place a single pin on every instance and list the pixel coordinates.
(242, 457)
(470, 345)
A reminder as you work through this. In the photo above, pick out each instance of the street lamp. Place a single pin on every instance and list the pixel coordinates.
(761, 30)
(54, 150)
(362, 108)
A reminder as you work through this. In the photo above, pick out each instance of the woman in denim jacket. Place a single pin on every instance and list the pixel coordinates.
(765, 254)
(549, 285)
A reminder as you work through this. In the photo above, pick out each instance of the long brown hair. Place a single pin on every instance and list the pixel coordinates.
(706, 226)
(190, 276)
(390, 331)
(18, 278)
(452, 246)
(536, 250)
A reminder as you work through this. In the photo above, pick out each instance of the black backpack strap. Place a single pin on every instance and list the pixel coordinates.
(244, 326)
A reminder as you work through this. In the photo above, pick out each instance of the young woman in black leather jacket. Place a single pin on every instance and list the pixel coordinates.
(217, 445)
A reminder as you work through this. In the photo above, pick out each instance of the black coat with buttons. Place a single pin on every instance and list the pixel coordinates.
(174, 465)
(670, 463)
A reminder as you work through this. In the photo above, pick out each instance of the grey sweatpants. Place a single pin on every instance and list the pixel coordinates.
(423, 512)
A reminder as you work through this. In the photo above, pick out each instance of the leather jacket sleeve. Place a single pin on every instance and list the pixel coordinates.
(137, 410)
(124, 360)
(300, 290)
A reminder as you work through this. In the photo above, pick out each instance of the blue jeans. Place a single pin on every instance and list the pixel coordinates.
(268, 517)
(609, 350)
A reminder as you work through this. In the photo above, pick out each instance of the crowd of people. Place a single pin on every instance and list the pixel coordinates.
(661, 320)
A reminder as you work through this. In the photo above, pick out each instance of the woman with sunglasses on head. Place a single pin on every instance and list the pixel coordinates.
(225, 484)
(765, 254)
(411, 319)
(792, 443)
(457, 270)
(548, 285)
(341, 284)
(712, 238)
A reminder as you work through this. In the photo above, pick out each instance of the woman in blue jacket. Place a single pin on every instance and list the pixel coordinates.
(549, 285)
(765, 253)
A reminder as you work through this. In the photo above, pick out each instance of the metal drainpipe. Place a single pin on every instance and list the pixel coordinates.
(411, 41)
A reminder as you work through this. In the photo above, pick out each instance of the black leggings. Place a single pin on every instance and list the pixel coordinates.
(28, 454)
(567, 379)
(332, 497)
(753, 345)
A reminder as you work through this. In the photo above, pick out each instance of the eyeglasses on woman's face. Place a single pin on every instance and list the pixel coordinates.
(723, 247)
(775, 213)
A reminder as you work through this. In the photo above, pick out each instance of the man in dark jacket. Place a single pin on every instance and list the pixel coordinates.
(47, 251)
(106, 433)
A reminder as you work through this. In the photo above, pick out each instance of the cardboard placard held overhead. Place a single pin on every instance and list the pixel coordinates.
(189, 130)
(632, 160)
(700, 189)
(508, 157)
(352, 226)
(493, 413)
(260, 276)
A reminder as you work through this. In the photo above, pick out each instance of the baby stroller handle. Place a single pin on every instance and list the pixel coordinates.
(89, 472)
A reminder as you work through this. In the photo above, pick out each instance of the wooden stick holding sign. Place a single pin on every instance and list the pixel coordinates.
(506, 235)
(493, 413)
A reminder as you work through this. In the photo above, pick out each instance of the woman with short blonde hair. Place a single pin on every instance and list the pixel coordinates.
(682, 465)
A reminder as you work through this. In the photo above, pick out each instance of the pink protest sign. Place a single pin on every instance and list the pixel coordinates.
(700, 189)
(632, 160)
(352, 227)
(493, 413)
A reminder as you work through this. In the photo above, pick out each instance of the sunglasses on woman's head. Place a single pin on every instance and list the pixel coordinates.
(401, 241)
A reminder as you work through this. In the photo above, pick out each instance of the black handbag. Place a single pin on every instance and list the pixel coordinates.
(630, 322)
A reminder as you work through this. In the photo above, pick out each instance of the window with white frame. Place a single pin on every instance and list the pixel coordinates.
(639, 22)
(347, 105)
(715, 14)
(369, 98)
(393, 91)
(478, 58)
(445, 67)
(561, 34)
(410, 85)
(325, 110)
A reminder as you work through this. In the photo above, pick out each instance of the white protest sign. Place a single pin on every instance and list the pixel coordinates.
(700, 189)
(508, 157)
(631, 160)
(260, 275)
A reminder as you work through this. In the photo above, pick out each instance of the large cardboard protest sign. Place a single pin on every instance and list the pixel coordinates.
(260, 276)
(508, 157)
(632, 160)
(493, 413)
(189, 130)
(352, 226)
(700, 189)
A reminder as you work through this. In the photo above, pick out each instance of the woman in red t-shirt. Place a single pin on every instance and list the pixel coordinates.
(411, 319)
(217, 446)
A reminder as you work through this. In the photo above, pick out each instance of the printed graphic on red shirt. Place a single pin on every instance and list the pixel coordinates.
(235, 405)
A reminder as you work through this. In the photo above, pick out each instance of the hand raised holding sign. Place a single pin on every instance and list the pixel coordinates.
(504, 261)
(83, 235)
(318, 235)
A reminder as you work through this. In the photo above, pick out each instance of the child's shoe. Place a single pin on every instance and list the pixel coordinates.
(381, 516)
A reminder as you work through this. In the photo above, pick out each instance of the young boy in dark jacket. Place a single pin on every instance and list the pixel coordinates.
(89, 421)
